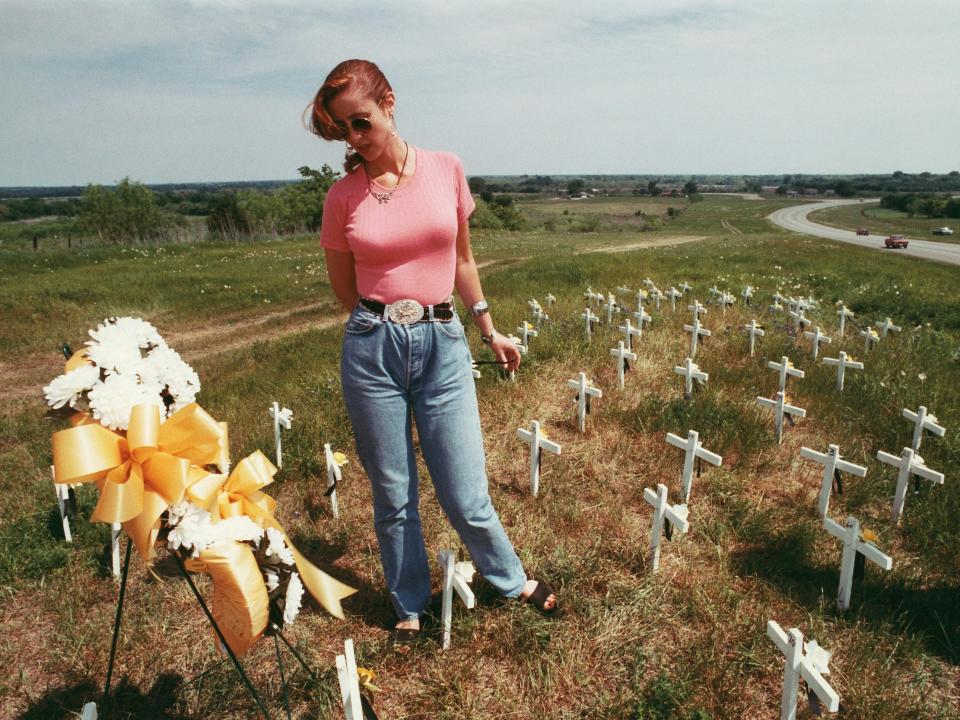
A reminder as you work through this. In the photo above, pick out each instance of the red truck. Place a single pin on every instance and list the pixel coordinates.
(895, 241)
(863, 231)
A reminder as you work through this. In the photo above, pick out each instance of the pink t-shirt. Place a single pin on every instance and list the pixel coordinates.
(407, 247)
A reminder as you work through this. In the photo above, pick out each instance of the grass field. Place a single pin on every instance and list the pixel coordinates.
(882, 221)
(257, 323)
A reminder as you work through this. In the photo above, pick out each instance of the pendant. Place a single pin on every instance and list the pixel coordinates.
(382, 198)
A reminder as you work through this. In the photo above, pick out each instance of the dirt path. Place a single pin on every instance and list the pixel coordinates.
(731, 227)
(653, 242)
(26, 377)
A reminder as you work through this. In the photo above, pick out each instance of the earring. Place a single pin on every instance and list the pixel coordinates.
(393, 132)
(350, 148)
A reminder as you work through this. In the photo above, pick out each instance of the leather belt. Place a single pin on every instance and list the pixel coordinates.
(407, 312)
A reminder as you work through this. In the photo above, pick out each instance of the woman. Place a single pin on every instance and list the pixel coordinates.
(397, 242)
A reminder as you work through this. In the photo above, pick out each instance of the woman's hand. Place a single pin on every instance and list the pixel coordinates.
(505, 351)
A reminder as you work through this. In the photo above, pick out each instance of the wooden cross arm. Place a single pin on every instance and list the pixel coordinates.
(779, 637)
(710, 457)
(925, 472)
(815, 681)
(766, 402)
(677, 441)
(875, 556)
(889, 459)
(462, 574)
(835, 528)
(849, 467)
(650, 496)
(549, 446)
(525, 434)
(811, 454)
(677, 515)
(792, 410)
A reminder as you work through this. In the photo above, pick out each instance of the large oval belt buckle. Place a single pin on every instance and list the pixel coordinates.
(405, 312)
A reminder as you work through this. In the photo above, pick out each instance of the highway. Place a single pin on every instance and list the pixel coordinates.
(795, 218)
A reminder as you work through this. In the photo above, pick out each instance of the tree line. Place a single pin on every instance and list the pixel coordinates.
(925, 204)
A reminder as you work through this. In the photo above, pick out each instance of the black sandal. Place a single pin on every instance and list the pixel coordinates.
(538, 598)
(405, 637)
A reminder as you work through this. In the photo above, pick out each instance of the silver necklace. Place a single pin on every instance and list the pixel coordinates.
(384, 198)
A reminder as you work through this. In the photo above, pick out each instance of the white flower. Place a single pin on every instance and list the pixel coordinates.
(117, 356)
(192, 528)
(291, 605)
(112, 400)
(239, 528)
(165, 367)
(66, 389)
(271, 580)
(278, 547)
(117, 343)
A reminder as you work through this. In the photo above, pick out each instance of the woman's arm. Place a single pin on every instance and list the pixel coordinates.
(343, 277)
(467, 281)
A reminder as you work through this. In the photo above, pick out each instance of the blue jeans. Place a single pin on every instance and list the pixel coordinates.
(392, 375)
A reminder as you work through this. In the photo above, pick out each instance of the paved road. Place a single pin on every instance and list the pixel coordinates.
(795, 218)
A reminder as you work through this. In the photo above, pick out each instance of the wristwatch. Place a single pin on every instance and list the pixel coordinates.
(479, 308)
(488, 339)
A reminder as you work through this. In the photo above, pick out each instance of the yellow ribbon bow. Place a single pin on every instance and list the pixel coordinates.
(141, 472)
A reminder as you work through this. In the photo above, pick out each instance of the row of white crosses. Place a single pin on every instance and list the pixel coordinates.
(909, 462)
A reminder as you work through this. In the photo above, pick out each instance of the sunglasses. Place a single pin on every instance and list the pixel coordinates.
(357, 124)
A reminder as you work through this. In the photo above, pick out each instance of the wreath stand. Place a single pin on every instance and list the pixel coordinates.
(277, 637)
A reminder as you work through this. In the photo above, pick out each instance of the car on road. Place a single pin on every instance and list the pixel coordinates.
(943, 231)
(895, 241)
(863, 231)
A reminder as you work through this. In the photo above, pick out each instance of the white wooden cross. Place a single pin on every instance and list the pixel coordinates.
(853, 544)
(649, 284)
(697, 309)
(781, 409)
(538, 443)
(589, 295)
(623, 289)
(833, 464)
(714, 292)
(775, 308)
(909, 463)
(642, 317)
(349, 682)
(800, 321)
(641, 298)
(89, 711)
(551, 299)
(844, 313)
(817, 337)
(777, 297)
(870, 337)
(690, 371)
(474, 369)
(657, 296)
(629, 332)
(887, 326)
(696, 331)
(747, 294)
(334, 476)
(584, 392)
(754, 331)
(512, 375)
(843, 362)
(589, 319)
(610, 306)
(623, 356)
(693, 451)
(785, 368)
(676, 515)
(806, 660)
(63, 503)
(115, 549)
(526, 331)
(533, 304)
(685, 288)
(922, 420)
(281, 419)
(726, 300)
(457, 577)
(673, 294)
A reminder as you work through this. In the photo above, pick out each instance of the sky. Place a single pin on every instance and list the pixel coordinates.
(213, 90)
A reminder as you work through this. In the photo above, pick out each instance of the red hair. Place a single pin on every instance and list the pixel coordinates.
(360, 75)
